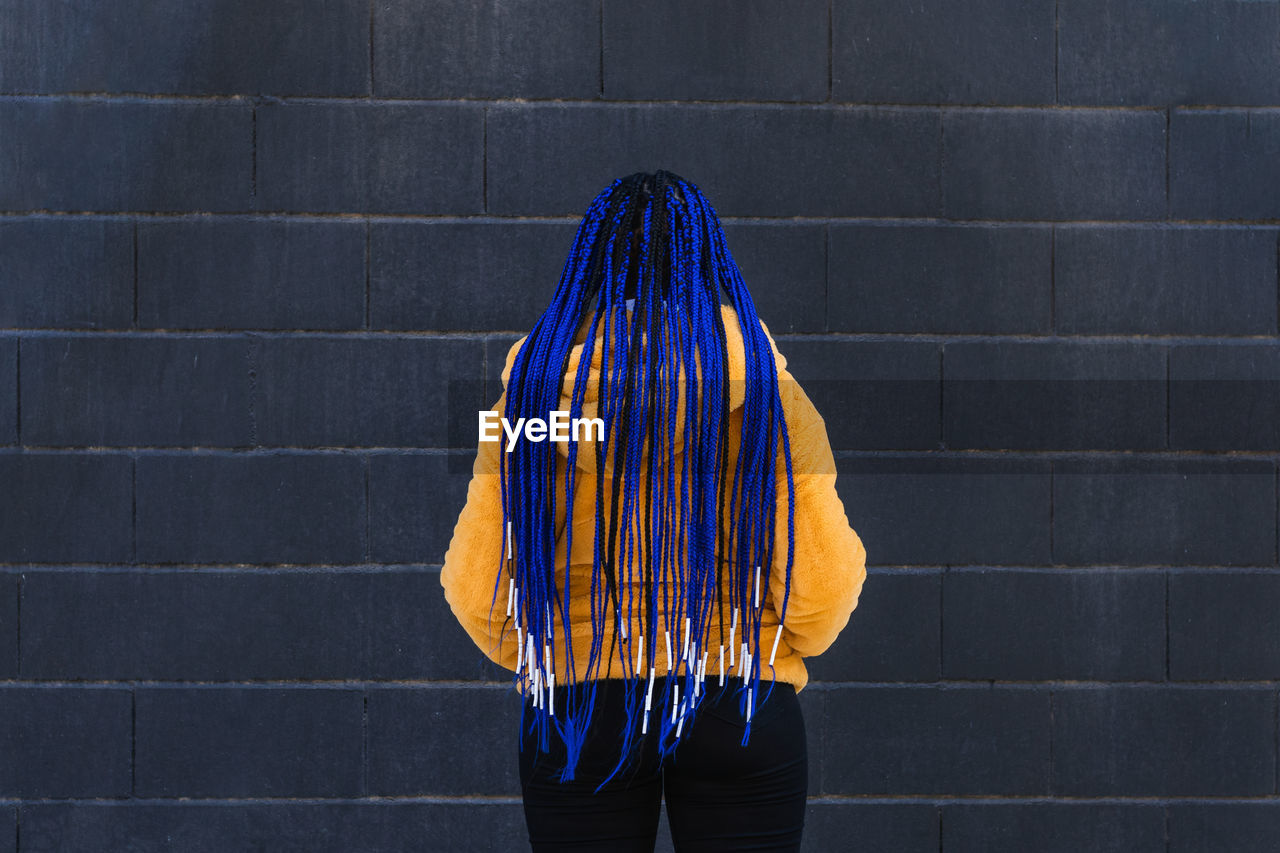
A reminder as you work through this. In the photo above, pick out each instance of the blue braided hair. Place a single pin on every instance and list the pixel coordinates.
(650, 243)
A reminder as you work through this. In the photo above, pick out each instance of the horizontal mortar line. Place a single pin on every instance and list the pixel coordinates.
(1015, 337)
(484, 799)
(820, 686)
(500, 336)
(83, 568)
(1053, 684)
(1037, 799)
(572, 218)
(236, 450)
(986, 454)
(261, 99)
(262, 334)
(87, 567)
(1033, 454)
(202, 216)
(1092, 568)
(131, 800)
(263, 684)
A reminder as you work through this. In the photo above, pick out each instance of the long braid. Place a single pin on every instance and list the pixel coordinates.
(663, 550)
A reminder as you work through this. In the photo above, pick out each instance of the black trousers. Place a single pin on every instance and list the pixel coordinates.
(720, 794)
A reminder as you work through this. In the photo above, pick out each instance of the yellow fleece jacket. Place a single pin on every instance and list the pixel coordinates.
(828, 568)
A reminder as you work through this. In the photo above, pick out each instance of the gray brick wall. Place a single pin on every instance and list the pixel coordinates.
(259, 260)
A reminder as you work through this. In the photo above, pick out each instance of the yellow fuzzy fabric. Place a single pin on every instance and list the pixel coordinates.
(828, 569)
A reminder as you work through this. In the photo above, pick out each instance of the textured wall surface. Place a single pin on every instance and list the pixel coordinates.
(259, 263)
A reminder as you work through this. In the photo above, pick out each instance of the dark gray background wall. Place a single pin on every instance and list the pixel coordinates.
(1022, 253)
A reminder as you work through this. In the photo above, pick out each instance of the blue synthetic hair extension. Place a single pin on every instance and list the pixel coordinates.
(655, 239)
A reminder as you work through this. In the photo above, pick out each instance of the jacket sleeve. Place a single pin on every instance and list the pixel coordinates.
(829, 562)
(474, 564)
(474, 560)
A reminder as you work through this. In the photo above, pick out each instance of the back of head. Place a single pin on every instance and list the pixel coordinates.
(644, 281)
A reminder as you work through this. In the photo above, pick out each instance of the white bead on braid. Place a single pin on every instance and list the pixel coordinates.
(776, 638)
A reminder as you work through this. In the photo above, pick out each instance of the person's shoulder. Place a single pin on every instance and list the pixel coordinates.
(778, 357)
(730, 312)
